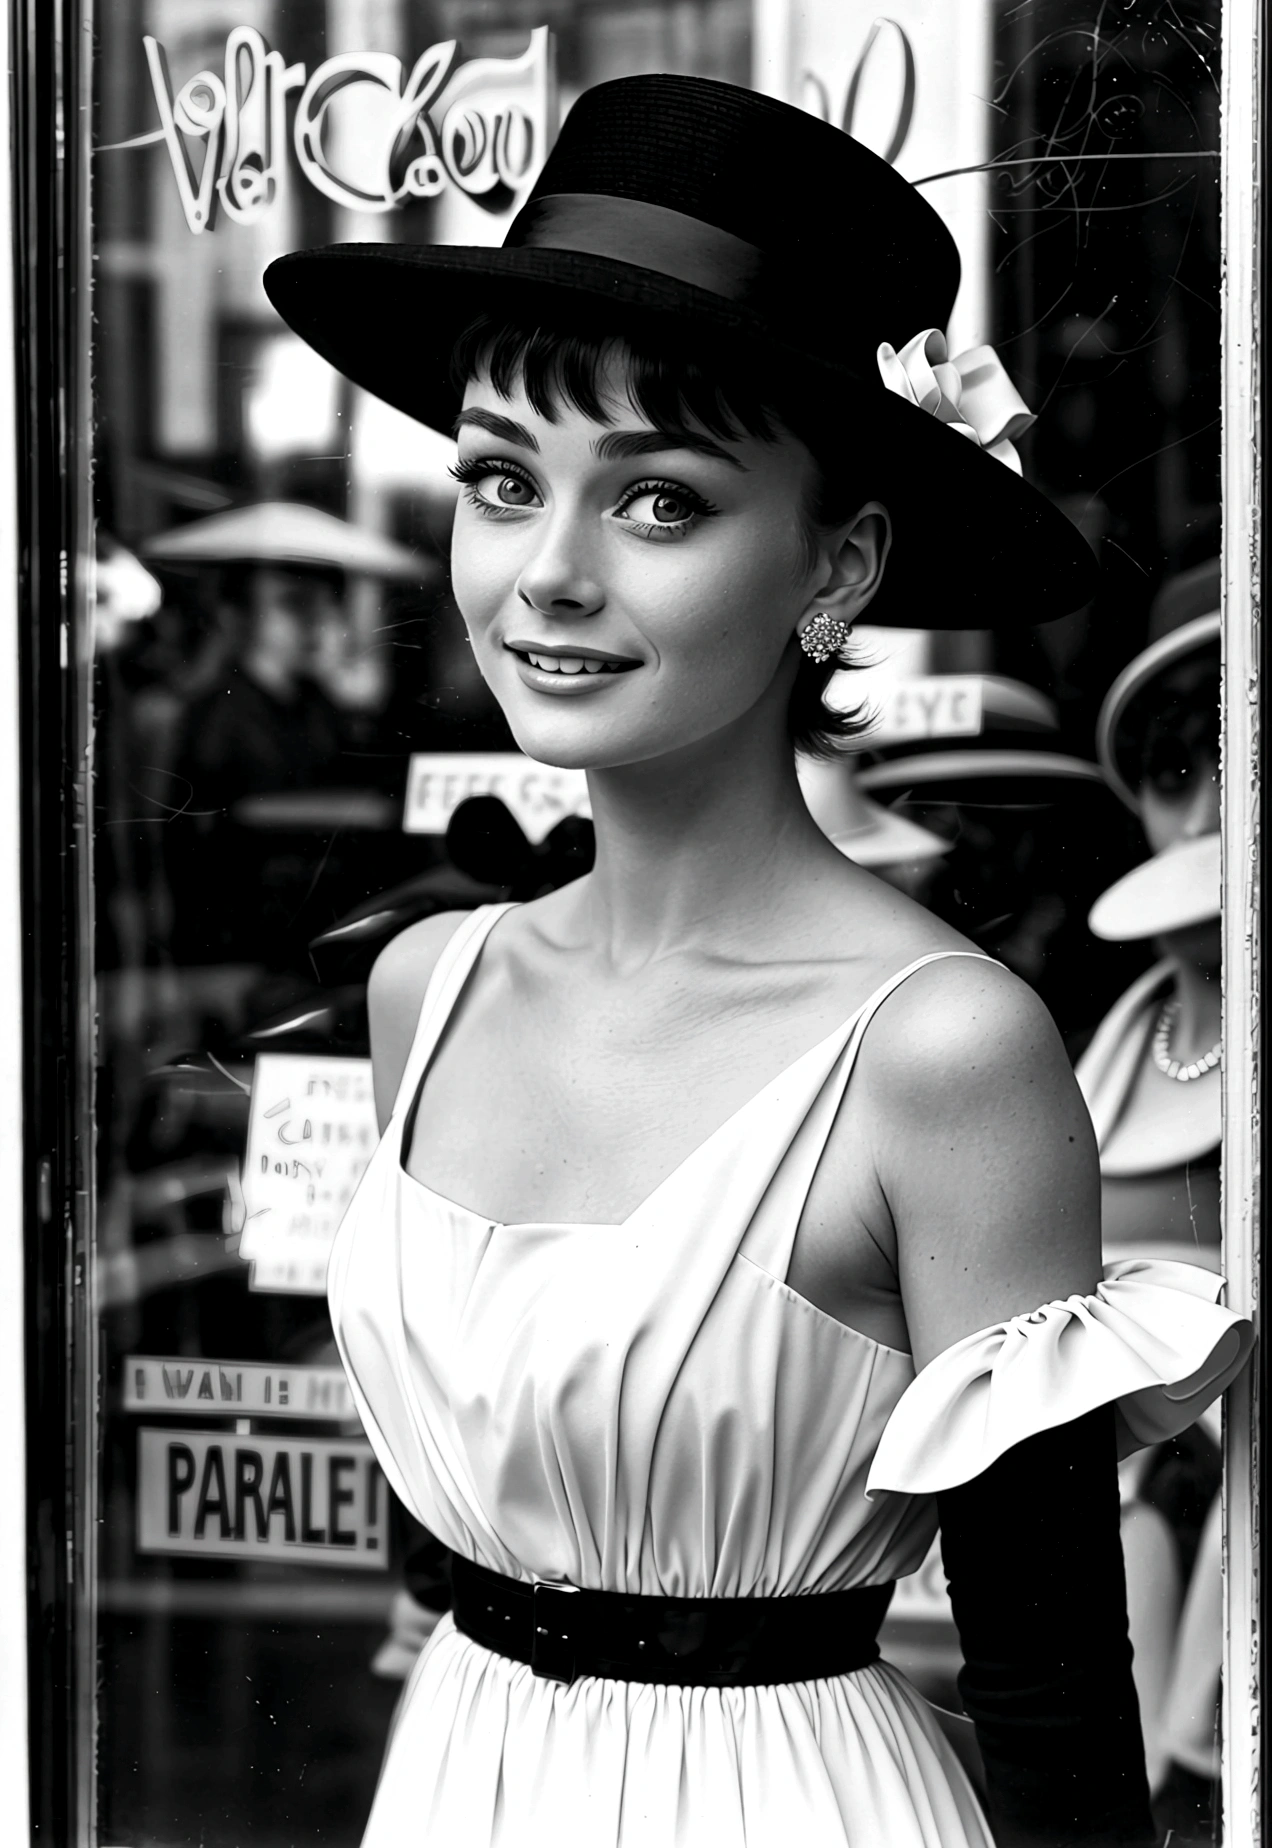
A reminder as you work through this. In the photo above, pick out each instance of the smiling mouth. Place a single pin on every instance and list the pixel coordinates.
(586, 661)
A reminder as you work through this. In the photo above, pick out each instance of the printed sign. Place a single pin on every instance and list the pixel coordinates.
(234, 1389)
(537, 794)
(481, 128)
(311, 1132)
(314, 1500)
(938, 706)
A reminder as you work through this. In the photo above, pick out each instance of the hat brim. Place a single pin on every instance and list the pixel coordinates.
(1113, 743)
(888, 839)
(290, 535)
(988, 779)
(388, 316)
(1175, 890)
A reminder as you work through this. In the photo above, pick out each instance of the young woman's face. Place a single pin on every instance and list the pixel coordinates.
(1179, 791)
(627, 591)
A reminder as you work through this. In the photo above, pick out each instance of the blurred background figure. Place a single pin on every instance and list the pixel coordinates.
(1151, 1080)
(1030, 831)
(274, 775)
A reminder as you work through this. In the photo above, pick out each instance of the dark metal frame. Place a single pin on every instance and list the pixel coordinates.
(51, 66)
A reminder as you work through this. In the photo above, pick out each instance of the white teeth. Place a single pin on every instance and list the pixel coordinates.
(570, 664)
(565, 664)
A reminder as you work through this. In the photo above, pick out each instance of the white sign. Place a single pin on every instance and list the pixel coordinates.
(481, 128)
(913, 82)
(288, 1276)
(936, 706)
(313, 1500)
(234, 1389)
(311, 1132)
(537, 794)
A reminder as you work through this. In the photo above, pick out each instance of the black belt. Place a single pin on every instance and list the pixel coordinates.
(563, 1632)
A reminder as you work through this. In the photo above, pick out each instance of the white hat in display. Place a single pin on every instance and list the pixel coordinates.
(864, 831)
(289, 534)
(1184, 621)
(1172, 891)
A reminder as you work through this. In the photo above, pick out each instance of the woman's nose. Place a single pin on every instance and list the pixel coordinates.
(557, 580)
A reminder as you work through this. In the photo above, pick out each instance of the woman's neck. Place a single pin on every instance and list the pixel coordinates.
(706, 846)
(1198, 994)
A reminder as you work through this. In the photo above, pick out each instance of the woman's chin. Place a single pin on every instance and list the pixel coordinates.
(569, 743)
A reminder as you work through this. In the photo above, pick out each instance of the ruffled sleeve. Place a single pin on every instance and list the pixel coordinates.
(1153, 1340)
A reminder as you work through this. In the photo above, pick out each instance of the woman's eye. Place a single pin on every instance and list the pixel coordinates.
(659, 507)
(505, 490)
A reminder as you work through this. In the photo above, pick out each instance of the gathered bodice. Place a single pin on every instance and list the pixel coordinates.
(647, 1406)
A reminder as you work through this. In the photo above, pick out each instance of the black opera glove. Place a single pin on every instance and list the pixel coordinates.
(1033, 1554)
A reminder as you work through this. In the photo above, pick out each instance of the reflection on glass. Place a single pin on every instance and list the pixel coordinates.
(288, 717)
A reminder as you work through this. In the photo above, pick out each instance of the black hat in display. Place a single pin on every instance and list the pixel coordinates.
(1183, 625)
(971, 739)
(712, 218)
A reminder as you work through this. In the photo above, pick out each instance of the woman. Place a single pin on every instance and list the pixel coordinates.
(634, 1291)
(1151, 1079)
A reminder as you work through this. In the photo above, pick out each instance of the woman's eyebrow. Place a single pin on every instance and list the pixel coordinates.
(618, 445)
(493, 424)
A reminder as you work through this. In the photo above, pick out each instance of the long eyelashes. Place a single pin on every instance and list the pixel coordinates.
(696, 506)
(472, 471)
(476, 469)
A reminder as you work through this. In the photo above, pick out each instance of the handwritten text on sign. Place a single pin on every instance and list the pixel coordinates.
(308, 1499)
(234, 1388)
(311, 1132)
(482, 127)
(537, 794)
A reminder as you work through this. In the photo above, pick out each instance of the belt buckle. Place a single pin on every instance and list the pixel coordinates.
(552, 1646)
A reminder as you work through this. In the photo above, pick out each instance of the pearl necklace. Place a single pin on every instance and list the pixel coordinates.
(1172, 1068)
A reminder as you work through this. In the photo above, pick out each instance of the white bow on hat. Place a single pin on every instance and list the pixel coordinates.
(971, 392)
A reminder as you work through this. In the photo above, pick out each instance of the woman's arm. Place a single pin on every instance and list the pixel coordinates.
(395, 993)
(986, 1158)
(983, 1150)
(1033, 1556)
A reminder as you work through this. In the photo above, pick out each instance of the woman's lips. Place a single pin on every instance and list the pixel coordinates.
(570, 663)
(556, 671)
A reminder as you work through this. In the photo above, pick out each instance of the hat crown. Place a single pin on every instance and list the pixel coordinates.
(880, 263)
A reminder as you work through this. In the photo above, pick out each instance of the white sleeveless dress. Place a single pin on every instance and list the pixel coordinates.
(649, 1408)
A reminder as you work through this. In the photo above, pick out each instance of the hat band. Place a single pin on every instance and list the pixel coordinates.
(650, 237)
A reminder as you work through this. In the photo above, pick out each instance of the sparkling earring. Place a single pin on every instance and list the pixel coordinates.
(825, 636)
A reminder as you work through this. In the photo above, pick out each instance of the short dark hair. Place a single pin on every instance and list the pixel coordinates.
(673, 390)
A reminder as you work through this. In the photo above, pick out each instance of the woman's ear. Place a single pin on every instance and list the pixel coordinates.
(850, 566)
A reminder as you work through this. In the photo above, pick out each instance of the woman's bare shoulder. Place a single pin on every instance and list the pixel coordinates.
(395, 993)
(983, 1149)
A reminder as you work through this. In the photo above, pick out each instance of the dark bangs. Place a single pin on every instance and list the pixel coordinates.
(676, 391)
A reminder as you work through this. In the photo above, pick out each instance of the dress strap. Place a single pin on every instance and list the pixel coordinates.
(451, 970)
(770, 1238)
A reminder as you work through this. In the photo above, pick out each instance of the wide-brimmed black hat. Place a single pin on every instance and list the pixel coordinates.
(714, 218)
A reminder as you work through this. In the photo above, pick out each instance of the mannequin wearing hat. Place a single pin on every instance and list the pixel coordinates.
(1151, 1077)
(693, 1250)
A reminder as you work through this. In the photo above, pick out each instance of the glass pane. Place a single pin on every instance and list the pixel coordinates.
(275, 650)
(1085, 197)
(289, 727)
